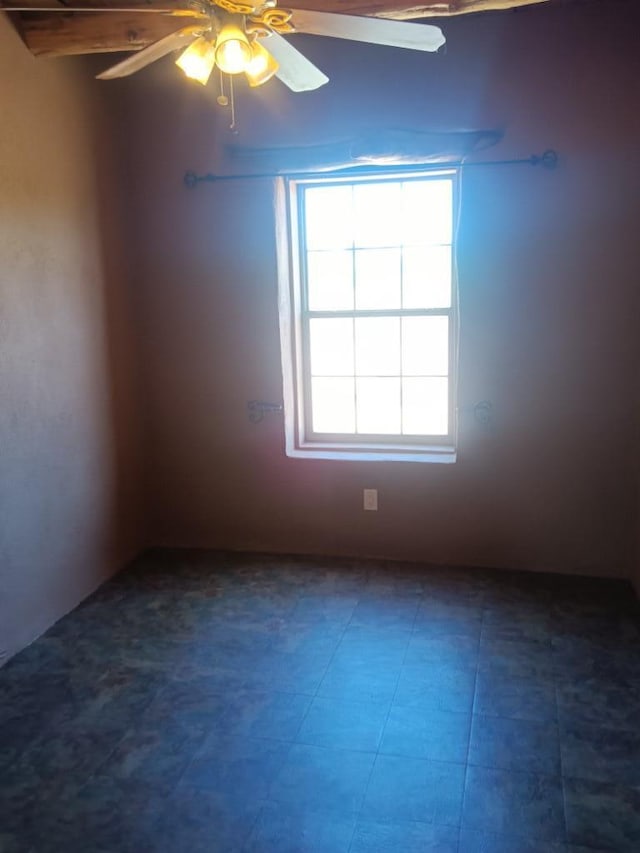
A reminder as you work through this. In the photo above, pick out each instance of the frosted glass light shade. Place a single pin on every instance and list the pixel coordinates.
(198, 60)
(233, 51)
(262, 66)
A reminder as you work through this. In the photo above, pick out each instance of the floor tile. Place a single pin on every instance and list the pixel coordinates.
(517, 697)
(584, 658)
(290, 672)
(327, 780)
(418, 732)
(326, 609)
(495, 801)
(200, 821)
(199, 702)
(410, 789)
(68, 755)
(578, 848)
(296, 635)
(213, 677)
(340, 724)
(266, 714)
(388, 579)
(18, 734)
(524, 745)
(465, 592)
(360, 681)
(432, 621)
(472, 841)
(155, 754)
(121, 817)
(49, 654)
(406, 836)
(51, 696)
(124, 691)
(10, 842)
(104, 815)
(385, 613)
(236, 766)
(378, 646)
(603, 627)
(432, 685)
(520, 624)
(23, 797)
(602, 816)
(520, 658)
(434, 610)
(308, 831)
(601, 700)
(456, 650)
(600, 754)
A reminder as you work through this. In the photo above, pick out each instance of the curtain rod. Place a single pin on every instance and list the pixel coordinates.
(548, 160)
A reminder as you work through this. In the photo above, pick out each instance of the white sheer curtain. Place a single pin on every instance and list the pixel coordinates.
(382, 148)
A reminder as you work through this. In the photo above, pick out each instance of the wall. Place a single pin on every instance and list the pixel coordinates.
(549, 299)
(69, 504)
(635, 569)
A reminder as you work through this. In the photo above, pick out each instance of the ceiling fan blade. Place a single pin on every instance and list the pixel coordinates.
(371, 30)
(296, 71)
(147, 55)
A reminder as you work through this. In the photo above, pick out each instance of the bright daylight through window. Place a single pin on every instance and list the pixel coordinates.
(368, 316)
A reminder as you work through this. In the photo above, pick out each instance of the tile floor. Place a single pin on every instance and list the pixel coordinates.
(212, 702)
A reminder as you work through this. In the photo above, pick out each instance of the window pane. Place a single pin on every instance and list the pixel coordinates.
(378, 346)
(333, 405)
(378, 406)
(425, 346)
(331, 347)
(330, 280)
(426, 277)
(427, 212)
(376, 209)
(425, 406)
(329, 217)
(377, 278)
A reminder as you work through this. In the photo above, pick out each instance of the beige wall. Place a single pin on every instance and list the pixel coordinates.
(635, 569)
(68, 443)
(549, 300)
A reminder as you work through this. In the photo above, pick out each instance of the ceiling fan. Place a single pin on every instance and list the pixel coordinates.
(241, 37)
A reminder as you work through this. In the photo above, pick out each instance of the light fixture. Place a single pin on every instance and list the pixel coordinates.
(233, 51)
(262, 65)
(198, 60)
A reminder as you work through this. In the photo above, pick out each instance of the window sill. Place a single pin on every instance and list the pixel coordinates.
(440, 455)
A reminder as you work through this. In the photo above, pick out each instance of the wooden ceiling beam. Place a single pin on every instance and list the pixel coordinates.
(171, 7)
(401, 9)
(79, 33)
(102, 29)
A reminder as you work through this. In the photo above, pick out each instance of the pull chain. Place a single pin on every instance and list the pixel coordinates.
(232, 126)
(225, 101)
(222, 98)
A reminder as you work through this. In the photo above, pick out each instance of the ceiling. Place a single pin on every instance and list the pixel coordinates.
(64, 33)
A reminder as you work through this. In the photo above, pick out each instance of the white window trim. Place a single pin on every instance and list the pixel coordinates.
(290, 312)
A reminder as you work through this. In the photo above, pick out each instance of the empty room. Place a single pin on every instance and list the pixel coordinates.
(319, 426)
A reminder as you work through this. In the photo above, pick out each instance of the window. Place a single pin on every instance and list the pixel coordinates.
(368, 316)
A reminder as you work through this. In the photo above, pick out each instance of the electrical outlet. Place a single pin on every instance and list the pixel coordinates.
(371, 499)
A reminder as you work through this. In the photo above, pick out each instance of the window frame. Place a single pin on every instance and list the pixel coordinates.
(295, 316)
